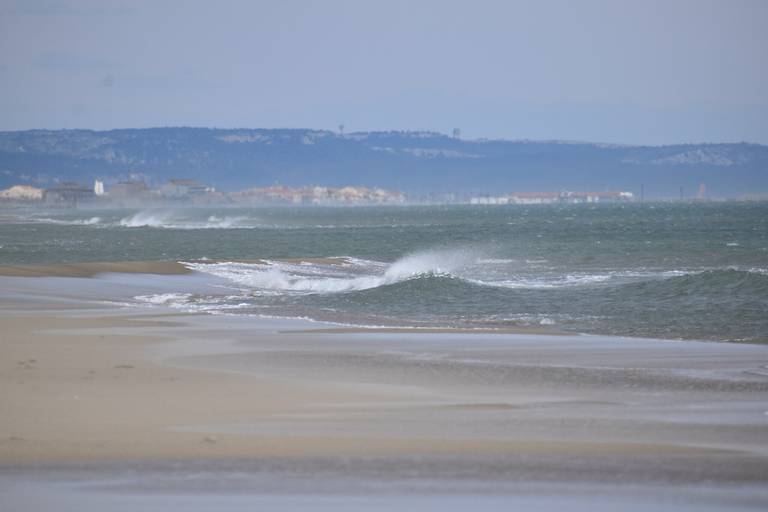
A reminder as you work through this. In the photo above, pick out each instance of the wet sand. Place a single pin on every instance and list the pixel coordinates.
(141, 401)
(91, 269)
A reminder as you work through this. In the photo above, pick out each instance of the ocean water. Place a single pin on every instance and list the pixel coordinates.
(679, 271)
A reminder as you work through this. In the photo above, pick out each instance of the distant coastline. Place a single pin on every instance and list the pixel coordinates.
(424, 166)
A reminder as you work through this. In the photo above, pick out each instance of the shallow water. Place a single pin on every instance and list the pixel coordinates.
(47, 491)
(693, 271)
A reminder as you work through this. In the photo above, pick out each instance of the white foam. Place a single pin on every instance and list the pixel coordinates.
(348, 274)
(352, 275)
(224, 222)
(171, 219)
(147, 218)
(165, 299)
(556, 280)
(73, 222)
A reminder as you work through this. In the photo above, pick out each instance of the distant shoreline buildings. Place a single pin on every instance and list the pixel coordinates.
(565, 197)
(136, 193)
(317, 196)
(191, 192)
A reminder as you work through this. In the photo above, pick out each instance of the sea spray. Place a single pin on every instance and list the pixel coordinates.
(666, 271)
(148, 218)
(436, 262)
(356, 274)
(180, 219)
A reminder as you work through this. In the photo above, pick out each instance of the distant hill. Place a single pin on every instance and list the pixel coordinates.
(415, 162)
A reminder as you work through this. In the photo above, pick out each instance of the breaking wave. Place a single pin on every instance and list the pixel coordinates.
(92, 221)
(462, 288)
(174, 220)
(346, 274)
(338, 275)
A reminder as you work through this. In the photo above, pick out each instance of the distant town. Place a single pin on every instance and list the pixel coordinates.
(191, 192)
(555, 197)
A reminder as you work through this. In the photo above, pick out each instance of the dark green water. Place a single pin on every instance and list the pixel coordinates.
(671, 271)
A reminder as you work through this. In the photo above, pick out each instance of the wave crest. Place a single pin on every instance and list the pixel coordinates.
(158, 218)
(347, 274)
(351, 275)
(92, 221)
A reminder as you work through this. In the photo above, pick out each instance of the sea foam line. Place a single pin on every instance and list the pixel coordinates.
(356, 275)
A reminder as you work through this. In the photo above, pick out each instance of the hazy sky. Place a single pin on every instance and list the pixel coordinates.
(614, 71)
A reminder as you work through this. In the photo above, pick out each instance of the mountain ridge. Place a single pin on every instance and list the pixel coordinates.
(412, 161)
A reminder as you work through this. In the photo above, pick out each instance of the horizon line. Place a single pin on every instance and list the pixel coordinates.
(402, 131)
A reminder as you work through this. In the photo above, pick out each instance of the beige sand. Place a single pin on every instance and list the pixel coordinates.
(81, 396)
(90, 269)
(95, 396)
(136, 385)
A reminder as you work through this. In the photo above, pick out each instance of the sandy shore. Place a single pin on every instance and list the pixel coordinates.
(94, 386)
(72, 388)
(90, 269)
(81, 386)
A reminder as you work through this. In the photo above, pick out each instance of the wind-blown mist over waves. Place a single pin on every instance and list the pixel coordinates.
(336, 275)
(195, 218)
(465, 288)
(175, 220)
(88, 221)
(168, 218)
(676, 271)
(347, 274)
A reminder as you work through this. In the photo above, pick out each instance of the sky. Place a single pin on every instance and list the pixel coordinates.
(632, 72)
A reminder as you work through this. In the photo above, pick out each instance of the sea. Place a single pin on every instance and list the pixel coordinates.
(666, 270)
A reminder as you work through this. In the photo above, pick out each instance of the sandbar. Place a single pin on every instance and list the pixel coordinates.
(101, 388)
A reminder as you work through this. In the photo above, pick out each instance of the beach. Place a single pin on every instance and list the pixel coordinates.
(383, 256)
(141, 401)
